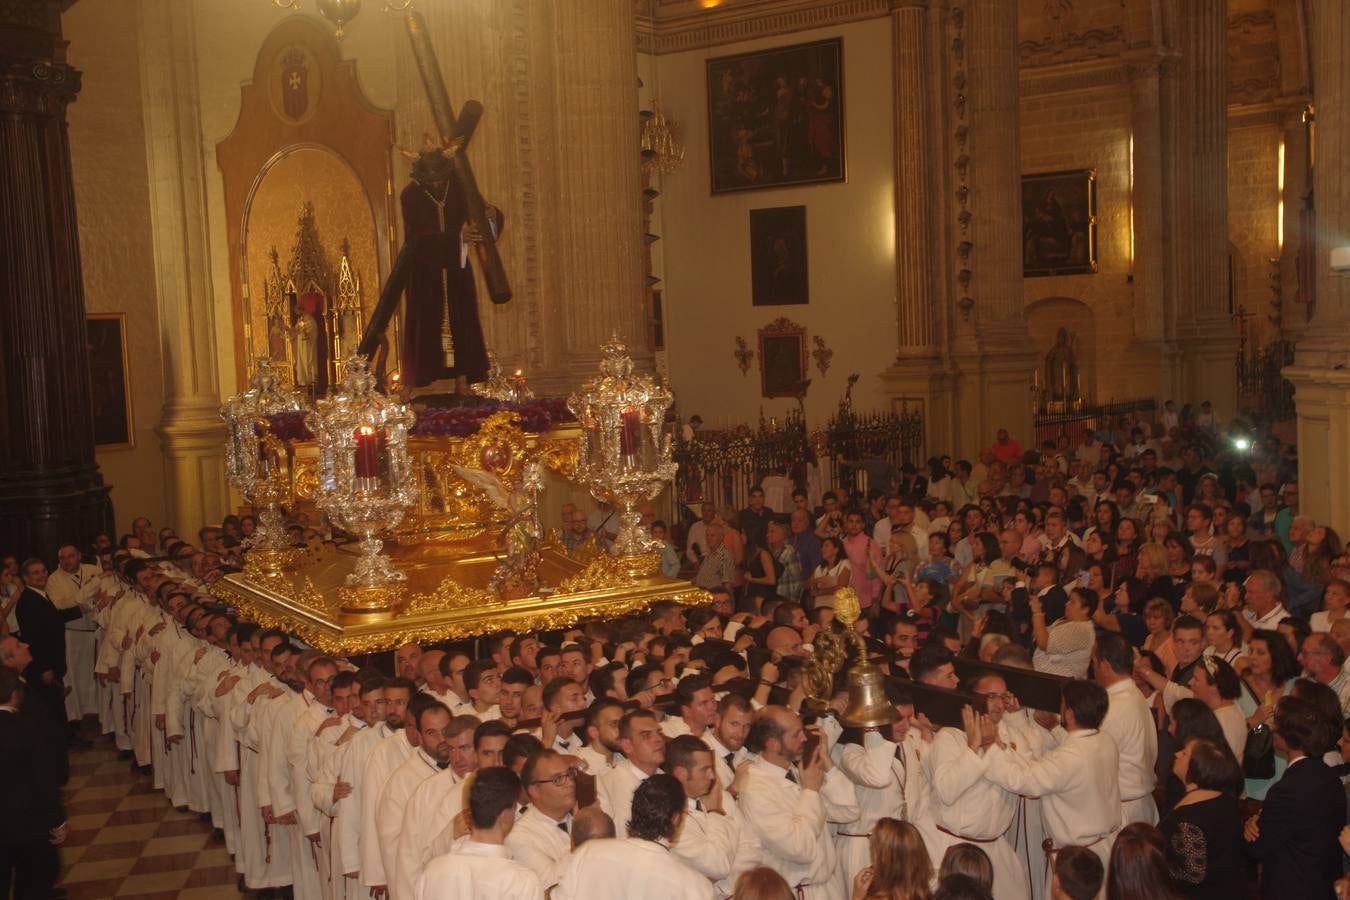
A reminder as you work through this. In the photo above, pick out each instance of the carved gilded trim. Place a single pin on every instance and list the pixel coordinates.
(728, 24)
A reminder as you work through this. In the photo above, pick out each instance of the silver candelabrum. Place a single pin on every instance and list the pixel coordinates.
(624, 455)
(366, 483)
(254, 456)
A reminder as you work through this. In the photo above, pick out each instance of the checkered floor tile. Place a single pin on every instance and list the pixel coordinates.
(127, 842)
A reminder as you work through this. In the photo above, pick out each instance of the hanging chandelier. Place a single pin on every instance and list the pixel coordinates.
(661, 148)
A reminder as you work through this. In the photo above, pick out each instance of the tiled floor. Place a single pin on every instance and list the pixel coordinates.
(127, 842)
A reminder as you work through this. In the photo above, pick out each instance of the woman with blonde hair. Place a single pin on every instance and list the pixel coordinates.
(901, 868)
(762, 883)
(1158, 618)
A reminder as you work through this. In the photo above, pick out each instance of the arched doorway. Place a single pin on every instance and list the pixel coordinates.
(1045, 317)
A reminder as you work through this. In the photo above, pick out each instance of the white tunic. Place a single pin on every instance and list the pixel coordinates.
(1079, 783)
(347, 812)
(389, 812)
(1129, 722)
(792, 825)
(625, 868)
(475, 871)
(615, 788)
(884, 786)
(538, 843)
(432, 806)
(387, 756)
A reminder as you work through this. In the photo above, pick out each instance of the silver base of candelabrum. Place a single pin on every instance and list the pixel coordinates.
(373, 567)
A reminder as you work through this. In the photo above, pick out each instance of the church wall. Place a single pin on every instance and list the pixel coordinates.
(850, 240)
(1253, 196)
(1087, 129)
(107, 149)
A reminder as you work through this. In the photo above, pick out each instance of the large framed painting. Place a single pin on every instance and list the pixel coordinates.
(776, 117)
(778, 256)
(114, 423)
(1059, 223)
(782, 359)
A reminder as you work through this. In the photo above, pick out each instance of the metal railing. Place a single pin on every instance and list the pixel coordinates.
(1073, 420)
(1262, 390)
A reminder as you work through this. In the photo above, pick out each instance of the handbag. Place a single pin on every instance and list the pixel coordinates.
(1258, 758)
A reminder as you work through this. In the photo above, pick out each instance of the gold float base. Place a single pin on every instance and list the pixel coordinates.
(270, 563)
(444, 598)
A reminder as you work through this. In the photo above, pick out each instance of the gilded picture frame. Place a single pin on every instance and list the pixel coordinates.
(1059, 223)
(114, 415)
(782, 359)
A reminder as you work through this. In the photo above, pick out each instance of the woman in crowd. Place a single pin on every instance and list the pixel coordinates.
(941, 565)
(1179, 558)
(1138, 869)
(900, 870)
(1223, 637)
(1239, 554)
(1106, 521)
(897, 565)
(1121, 618)
(1192, 718)
(975, 580)
(1204, 829)
(1271, 670)
(762, 883)
(761, 575)
(1024, 523)
(1127, 541)
(1158, 618)
(1335, 601)
(1216, 684)
(833, 572)
(1324, 546)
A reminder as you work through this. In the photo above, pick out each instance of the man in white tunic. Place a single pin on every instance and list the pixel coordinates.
(601, 730)
(315, 713)
(439, 799)
(1129, 722)
(432, 756)
(714, 840)
(789, 801)
(697, 705)
(541, 838)
(387, 756)
(267, 858)
(73, 584)
(480, 867)
(642, 864)
(1078, 781)
(727, 739)
(644, 749)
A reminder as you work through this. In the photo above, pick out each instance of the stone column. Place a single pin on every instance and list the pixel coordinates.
(50, 488)
(920, 122)
(191, 432)
(1206, 333)
(1321, 370)
(995, 378)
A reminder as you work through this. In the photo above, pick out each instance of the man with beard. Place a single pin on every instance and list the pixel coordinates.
(436, 730)
(432, 818)
(390, 753)
(644, 749)
(727, 739)
(698, 708)
(515, 681)
(407, 659)
(601, 728)
(789, 802)
(714, 840)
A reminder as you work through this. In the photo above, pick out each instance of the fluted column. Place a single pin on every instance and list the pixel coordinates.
(191, 432)
(1321, 370)
(599, 234)
(913, 199)
(1205, 331)
(50, 488)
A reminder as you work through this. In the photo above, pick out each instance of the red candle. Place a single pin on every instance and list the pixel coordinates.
(630, 435)
(367, 453)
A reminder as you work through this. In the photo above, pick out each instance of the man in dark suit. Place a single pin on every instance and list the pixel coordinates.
(44, 630)
(35, 823)
(1295, 834)
(34, 715)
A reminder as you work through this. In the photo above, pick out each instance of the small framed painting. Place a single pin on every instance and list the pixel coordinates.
(114, 423)
(778, 256)
(1059, 223)
(776, 117)
(782, 359)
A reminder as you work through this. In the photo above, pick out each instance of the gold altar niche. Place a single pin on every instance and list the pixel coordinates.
(313, 312)
(452, 544)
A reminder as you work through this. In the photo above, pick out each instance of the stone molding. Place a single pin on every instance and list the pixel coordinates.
(744, 21)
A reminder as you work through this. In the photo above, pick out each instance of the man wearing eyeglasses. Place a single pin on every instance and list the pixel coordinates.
(644, 749)
(541, 840)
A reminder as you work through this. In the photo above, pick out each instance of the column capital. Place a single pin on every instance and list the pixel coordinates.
(902, 5)
(35, 86)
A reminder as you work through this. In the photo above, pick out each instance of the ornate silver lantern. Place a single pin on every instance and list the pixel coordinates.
(624, 455)
(366, 483)
(255, 459)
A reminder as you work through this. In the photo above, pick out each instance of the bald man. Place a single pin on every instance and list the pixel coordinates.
(785, 641)
(406, 661)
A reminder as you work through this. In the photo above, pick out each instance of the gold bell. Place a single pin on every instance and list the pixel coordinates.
(867, 703)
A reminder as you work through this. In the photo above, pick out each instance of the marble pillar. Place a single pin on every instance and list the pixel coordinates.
(191, 431)
(51, 491)
(1321, 369)
(1206, 334)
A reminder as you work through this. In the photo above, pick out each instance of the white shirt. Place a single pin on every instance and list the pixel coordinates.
(1129, 722)
(347, 811)
(622, 869)
(538, 843)
(594, 762)
(615, 788)
(474, 871)
(434, 803)
(1068, 649)
(1270, 621)
(393, 801)
(1078, 783)
(962, 800)
(1234, 725)
(387, 756)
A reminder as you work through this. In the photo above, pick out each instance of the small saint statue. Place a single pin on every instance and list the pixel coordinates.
(1061, 369)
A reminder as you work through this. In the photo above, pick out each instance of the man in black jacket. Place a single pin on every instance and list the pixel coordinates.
(44, 630)
(1295, 834)
(35, 823)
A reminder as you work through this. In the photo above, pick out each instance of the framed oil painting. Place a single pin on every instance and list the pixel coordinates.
(114, 425)
(776, 117)
(782, 359)
(1059, 223)
(778, 256)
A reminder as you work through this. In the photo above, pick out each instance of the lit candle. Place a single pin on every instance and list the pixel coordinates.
(367, 453)
(630, 436)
